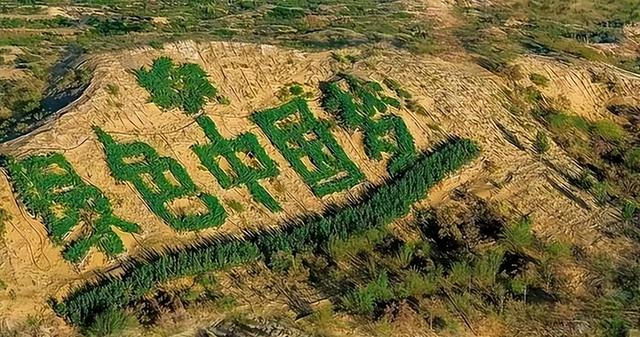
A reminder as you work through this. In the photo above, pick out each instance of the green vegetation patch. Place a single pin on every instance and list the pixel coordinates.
(26, 102)
(539, 79)
(550, 27)
(108, 26)
(246, 159)
(605, 148)
(162, 181)
(57, 22)
(541, 142)
(604, 129)
(362, 105)
(51, 189)
(185, 86)
(478, 263)
(309, 146)
(380, 207)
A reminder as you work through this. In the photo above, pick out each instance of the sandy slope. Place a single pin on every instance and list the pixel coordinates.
(461, 99)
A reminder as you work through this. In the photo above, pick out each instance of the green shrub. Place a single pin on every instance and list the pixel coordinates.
(518, 285)
(285, 13)
(207, 280)
(585, 180)
(395, 86)
(296, 90)
(629, 210)
(531, 94)
(602, 191)
(541, 143)
(486, 268)
(281, 262)
(614, 327)
(460, 274)
(416, 284)
(20, 97)
(632, 159)
(108, 26)
(57, 22)
(226, 302)
(558, 250)
(518, 236)
(109, 323)
(340, 249)
(362, 301)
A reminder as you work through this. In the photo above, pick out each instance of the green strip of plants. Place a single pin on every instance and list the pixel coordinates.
(381, 206)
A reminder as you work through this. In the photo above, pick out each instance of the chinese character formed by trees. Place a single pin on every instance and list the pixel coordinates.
(185, 86)
(245, 157)
(77, 215)
(161, 181)
(309, 146)
(362, 105)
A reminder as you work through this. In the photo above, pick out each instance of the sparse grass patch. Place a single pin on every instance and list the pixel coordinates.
(539, 79)
(223, 100)
(608, 130)
(4, 217)
(554, 28)
(113, 89)
(235, 205)
(158, 45)
(560, 121)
